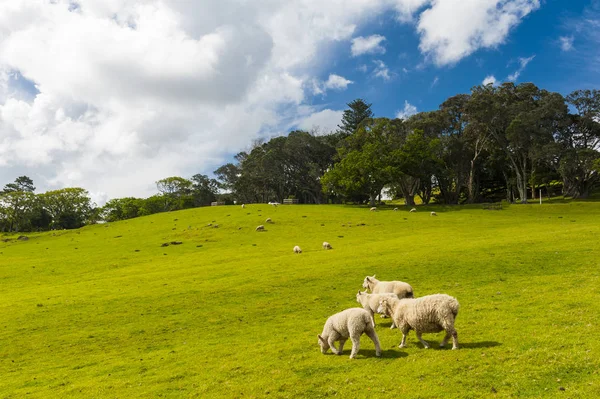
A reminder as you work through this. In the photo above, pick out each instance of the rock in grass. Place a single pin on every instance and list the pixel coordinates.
(176, 242)
(165, 244)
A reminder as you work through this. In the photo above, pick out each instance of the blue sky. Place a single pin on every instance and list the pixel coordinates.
(114, 95)
(426, 85)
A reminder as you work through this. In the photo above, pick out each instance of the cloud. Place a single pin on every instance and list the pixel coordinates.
(522, 64)
(367, 45)
(490, 79)
(362, 68)
(112, 96)
(453, 29)
(381, 70)
(408, 111)
(324, 121)
(407, 8)
(566, 43)
(434, 82)
(337, 82)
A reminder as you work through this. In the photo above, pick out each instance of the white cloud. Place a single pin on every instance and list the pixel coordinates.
(434, 82)
(566, 43)
(367, 45)
(453, 29)
(337, 82)
(407, 8)
(490, 79)
(381, 70)
(324, 121)
(362, 68)
(130, 92)
(522, 65)
(408, 111)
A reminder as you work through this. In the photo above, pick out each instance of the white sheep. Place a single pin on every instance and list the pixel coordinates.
(273, 203)
(373, 209)
(433, 213)
(370, 302)
(400, 288)
(268, 220)
(260, 228)
(297, 250)
(243, 206)
(350, 323)
(428, 314)
(395, 209)
(413, 210)
(326, 245)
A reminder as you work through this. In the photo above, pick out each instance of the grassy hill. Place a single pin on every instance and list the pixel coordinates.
(106, 311)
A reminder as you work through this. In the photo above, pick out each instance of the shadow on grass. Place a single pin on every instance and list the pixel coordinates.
(385, 354)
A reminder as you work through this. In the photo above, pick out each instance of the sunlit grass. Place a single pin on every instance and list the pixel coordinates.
(105, 311)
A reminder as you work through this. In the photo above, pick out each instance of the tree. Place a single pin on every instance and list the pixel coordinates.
(176, 192)
(204, 190)
(18, 200)
(69, 208)
(365, 165)
(351, 119)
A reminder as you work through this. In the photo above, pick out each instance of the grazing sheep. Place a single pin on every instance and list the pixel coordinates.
(274, 203)
(373, 209)
(268, 220)
(428, 314)
(433, 213)
(350, 323)
(260, 228)
(400, 288)
(326, 245)
(370, 302)
(395, 209)
(297, 250)
(413, 210)
(243, 206)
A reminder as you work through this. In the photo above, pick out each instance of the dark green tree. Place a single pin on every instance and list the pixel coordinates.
(351, 119)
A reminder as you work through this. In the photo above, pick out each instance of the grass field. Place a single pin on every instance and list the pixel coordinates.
(106, 312)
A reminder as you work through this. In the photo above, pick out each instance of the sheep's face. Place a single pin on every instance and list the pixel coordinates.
(382, 308)
(323, 344)
(358, 296)
(366, 283)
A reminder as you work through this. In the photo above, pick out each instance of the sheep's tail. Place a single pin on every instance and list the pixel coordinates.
(454, 307)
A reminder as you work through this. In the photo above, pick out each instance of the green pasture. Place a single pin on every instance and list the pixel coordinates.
(107, 312)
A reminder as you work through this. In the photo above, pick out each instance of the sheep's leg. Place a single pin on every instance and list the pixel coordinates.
(454, 339)
(425, 344)
(393, 324)
(355, 346)
(445, 340)
(342, 342)
(331, 341)
(371, 334)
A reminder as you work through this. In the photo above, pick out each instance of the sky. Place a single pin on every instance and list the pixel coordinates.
(113, 95)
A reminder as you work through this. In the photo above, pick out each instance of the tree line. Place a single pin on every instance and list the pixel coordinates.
(497, 142)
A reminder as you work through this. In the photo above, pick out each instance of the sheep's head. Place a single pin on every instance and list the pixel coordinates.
(323, 344)
(368, 282)
(359, 295)
(383, 305)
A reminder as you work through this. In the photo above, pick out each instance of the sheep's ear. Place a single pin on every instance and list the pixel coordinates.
(368, 278)
(321, 338)
(373, 276)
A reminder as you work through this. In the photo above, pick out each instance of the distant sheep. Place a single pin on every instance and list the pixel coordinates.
(433, 213)
(327, 245)
(268, 220)
(395, 209)
(428, 314)
(400, 288)
(373, 209)
(243, 206)
(260, 228)
(297, 250)
(413, 210)
(274, 203)
(370, 302)
(350, 323)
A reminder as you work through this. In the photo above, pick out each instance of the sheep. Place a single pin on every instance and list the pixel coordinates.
(370, 302)
(350, 323)
(268, 220)
(297, 250)
(373, 209)
(433, 213)
(413, 210)
(274, 203)
(395, 209)
(428, 314)
(260, 228)
(243, 206)
(326, 245)
(400, 288)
